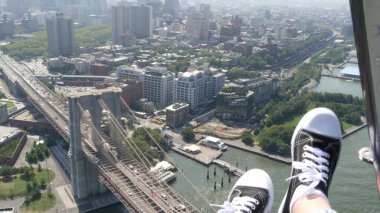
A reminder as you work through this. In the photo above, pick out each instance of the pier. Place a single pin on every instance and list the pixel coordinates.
(229, 168)
(205, 156)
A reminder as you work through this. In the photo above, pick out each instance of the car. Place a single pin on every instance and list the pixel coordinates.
(180, 207)
(130, 166)
(164, 196)
(136, 172)
(129, 192)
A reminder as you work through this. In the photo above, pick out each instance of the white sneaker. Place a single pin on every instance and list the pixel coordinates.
(252, 193)
(315, 146)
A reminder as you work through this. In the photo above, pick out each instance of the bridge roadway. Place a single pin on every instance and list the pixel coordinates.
(136, 188)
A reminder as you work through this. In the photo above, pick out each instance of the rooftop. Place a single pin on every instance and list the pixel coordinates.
(351, 70)
(5, 131)
(177, 106)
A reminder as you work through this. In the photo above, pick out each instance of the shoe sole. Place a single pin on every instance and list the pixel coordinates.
(312, 122)
(259, 179)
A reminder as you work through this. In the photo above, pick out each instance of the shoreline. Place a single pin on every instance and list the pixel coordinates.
(257, 150)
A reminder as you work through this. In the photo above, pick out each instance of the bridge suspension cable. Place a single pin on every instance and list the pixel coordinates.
(167, 157)
(132, 144)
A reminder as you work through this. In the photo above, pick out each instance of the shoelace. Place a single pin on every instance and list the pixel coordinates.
(238, 204)
(314, 167)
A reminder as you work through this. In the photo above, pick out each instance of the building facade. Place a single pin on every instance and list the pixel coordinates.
(7, 27)
(235, 102)
(197, 87)
(3, 113)
(130, 72)
(198, 22)
(136, 19)
(119, 22)
(60, 33)
(177, 114)
(141, 21)
(158, 85)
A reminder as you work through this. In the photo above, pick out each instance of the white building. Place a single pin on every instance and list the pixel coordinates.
(189, 87)
(197, 86)
(130, 72)
(158, 85)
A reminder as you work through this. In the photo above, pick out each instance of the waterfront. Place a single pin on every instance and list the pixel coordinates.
(353, 188)
(329, 84)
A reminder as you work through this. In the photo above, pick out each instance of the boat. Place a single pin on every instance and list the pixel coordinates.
(162, 166)
(214, 143)
(166, 176)
(365, 154)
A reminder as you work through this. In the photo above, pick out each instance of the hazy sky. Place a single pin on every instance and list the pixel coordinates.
(319, 3)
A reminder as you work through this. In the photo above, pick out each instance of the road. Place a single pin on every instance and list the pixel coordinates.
(55, 110)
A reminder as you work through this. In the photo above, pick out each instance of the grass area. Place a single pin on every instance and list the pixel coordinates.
(40, 205)
(346, 126)
(8, 149)
(294, 121)
(9, 104)
(17, 186)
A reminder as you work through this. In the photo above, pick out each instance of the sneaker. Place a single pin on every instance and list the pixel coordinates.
(252, 193)
(315, 148)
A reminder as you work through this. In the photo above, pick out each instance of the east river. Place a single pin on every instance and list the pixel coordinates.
(353, 187)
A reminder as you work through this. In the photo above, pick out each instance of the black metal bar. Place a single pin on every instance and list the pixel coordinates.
(362, 11)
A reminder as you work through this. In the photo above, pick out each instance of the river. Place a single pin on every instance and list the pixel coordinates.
(353, 188)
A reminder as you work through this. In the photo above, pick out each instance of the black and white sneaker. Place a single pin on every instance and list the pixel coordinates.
(252, 193)
(315, 148)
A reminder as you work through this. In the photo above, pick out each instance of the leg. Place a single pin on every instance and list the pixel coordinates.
(316, 144)
(253, 192)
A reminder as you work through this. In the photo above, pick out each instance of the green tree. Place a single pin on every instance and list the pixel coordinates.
(187, 134)
(246, 138)
(28, 188)
(39, 168)
(43, 183)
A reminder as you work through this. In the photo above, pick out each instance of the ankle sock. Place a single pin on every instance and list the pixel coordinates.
(302, 191)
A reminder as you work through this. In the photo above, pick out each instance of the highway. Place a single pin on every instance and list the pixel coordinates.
(139, 191)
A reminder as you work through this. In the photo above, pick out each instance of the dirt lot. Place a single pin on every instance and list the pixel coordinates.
(220, 129)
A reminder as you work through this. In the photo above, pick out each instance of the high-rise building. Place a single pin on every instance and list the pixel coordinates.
(228, 32)
(172, 7)
(7, 26)
(29, 23)
(60, 34)
(158, 86)
(18, 7)
(131, 18)
(155, 4)
(189, 87)
(97, 7)
(198, 22)
(79, 13)
(158, 82)
(141, 21)
(119, 22)
(197, 87)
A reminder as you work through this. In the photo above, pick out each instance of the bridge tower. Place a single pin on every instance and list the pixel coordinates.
(84, 176)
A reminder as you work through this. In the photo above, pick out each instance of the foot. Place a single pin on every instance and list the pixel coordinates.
(316, 144)
(252, 193)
